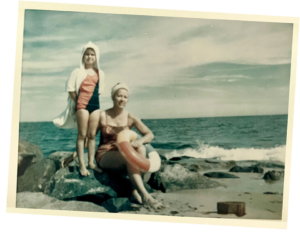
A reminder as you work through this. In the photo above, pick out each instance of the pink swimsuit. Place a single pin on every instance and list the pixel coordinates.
(88, 94)
(108, 139)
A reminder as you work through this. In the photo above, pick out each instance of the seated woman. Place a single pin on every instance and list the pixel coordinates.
(111, 122)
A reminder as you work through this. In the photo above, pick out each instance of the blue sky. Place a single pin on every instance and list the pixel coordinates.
(175, 67)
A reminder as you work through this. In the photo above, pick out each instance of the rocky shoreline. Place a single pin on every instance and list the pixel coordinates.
(43, 184)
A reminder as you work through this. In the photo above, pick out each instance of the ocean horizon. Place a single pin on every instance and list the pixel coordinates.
(255, 137)
(45, 121)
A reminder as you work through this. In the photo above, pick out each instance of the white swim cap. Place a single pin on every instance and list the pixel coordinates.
(117, 87)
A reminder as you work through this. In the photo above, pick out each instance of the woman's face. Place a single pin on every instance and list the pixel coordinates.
(89, 57)
(121, 98)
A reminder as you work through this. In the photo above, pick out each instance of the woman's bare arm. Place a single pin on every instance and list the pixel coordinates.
(144, 130)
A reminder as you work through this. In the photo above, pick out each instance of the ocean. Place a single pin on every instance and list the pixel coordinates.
(227, 138)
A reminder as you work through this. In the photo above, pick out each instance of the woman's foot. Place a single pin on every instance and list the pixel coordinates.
(65, 162)
(84, 171)
(95, 168)
(150, 203)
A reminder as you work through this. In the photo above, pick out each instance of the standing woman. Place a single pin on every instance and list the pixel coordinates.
(84, 87)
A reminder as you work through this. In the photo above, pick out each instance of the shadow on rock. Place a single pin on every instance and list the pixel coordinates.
(68, 184)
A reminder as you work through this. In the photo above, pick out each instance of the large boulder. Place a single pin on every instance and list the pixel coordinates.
(68, 184)
(59, 156)
(253, 169)
(36, 176)
(267, 164)
(176, 177)
(219, 175)
(200, 164)
(25, 161)
(274, 175)
(29, 148)
(42, 201)
(28, 154)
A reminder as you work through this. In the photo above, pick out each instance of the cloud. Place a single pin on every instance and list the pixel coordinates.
(46, 39)
(181, 60)
(42, 81)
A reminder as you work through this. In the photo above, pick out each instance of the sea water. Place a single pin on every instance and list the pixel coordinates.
(228, 138)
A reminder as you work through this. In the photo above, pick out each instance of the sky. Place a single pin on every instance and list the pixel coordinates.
(174, 67)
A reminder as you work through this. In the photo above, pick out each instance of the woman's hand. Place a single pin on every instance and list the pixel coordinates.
(137, 143)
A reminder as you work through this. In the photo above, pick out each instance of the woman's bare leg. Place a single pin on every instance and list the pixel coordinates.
(135, 192)
(136, 176)
(92, 130)
(82, 123)
(114, 160)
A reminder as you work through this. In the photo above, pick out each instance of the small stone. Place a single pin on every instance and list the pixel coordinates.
(274, 175)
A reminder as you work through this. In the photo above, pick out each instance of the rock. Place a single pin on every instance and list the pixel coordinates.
(176, 177)
(268, 164)
(274, 175)
(213, 160)
(42, 201)
(271, 193)
(176, 159)
(24, 161)
(28, 154)
(192, 167)
(36, 176)
(61, 155)
(174, 212)
(67, 184)
(219, 175)
(163, 158)
(117, 204)
(29, 148)
(199, 164)
(273, 164)
(254, 169)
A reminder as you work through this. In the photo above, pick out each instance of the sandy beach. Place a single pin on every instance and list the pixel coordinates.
(249, 188)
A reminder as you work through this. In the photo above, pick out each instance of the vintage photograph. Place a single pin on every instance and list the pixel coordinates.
(153, 115)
